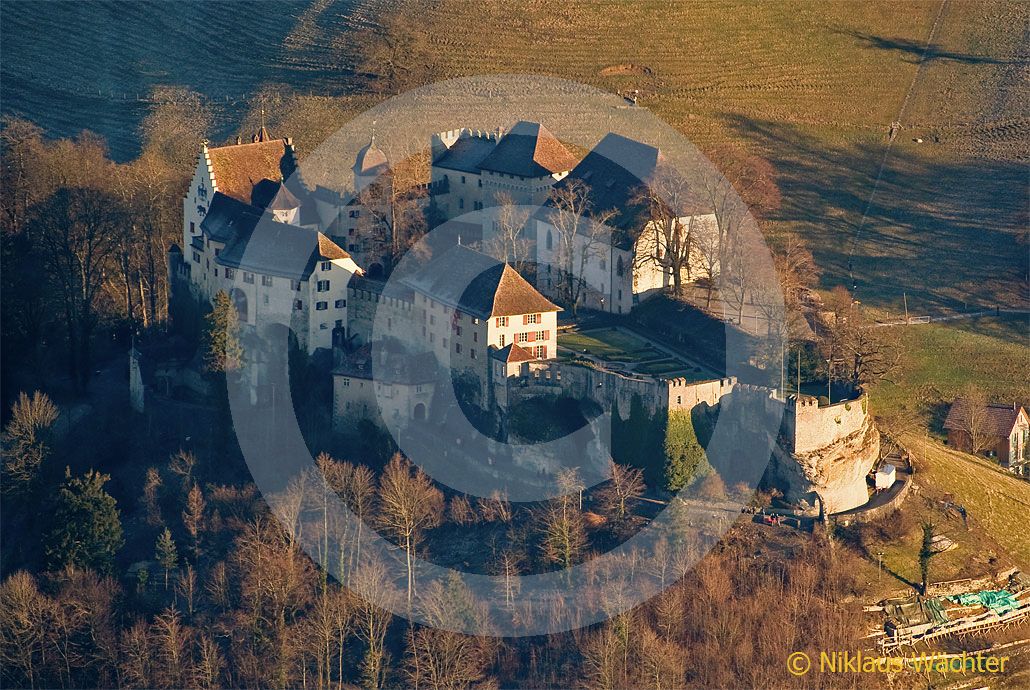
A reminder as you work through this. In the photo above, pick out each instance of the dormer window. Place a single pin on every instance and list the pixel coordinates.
(327, 265)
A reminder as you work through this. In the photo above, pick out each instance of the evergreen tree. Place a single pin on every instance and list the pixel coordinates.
(926, 554)
(165, 553)
(224, 351)
(685, 459)
(86, 529)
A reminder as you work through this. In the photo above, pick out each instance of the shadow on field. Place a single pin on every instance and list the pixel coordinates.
(914, 50)
(944, 232)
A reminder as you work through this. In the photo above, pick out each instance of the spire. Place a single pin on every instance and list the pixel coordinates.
(261, 134)
(372, 139)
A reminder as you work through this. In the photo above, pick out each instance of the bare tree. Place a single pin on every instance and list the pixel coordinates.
(193, 519)
(393, 215)
(975, 422)
(561, 526)
(372, 619)
(668, 237)
(581, 233)
(26, 441)
(409, 504)
(510, 241)
(625, 484)
(78, 232)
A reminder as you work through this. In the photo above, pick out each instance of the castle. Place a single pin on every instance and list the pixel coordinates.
(291, 256)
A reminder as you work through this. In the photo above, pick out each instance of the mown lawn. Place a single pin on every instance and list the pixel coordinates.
(942, 359)
(609, 343)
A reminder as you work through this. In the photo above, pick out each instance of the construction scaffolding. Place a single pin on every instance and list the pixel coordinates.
(915, 619)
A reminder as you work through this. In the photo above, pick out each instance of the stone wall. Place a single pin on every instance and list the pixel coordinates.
(810, 427)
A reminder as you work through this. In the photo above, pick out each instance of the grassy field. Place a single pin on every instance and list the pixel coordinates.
(941, 359)
(813, 87)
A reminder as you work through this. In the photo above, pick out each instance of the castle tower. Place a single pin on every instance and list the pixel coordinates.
(371, 162)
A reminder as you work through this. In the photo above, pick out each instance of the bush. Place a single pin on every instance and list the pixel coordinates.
(712, 487)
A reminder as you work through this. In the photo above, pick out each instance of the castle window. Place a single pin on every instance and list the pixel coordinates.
(530, 318)
(679, 399)
(502, 321)
(345, 382)
(217, 251)
(248, 278)
(457, 348)
(193, 228)
(522, 337)
(327, 265)
(323, 327)
(550, 241)
(501, 340)
(461, 203)
(619, 267)
(229, 274)
(540, 351)
(463, 179)
(480, 183)
(321, 306)
(196, 257)
(541, 335)
(266, 281)
(298, 305)
(340, 303)
(472, 352)
(457, 330)
(353, 213)
(323, 286)
(475, 336)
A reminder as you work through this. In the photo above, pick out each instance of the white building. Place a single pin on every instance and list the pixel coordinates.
(471, 168)
(246, 233)
(615, 272)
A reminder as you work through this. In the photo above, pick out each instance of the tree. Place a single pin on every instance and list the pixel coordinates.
(27, 441)
(392, 215)
(975, 421)
(224, 351)
(78, 232)
(165, 553)
(926, 554)
(626, 484)
(668, 237)
(685, 457)
(409, 504)
(193, 518)
(580, 232)
(561, 526)
(859, 353)
(86, 529)
(396, 55)
(510, 243)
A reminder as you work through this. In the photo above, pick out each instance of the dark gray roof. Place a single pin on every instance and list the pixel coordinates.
(392, 289)
(277, 249)
(392, 367)
(477, 284)
(529, 150)
(466, 154)
(227, 216)
(614, 172)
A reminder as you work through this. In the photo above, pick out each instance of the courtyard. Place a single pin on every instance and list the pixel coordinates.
(619, 349)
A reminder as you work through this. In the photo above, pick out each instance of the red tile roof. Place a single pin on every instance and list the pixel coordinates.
(999, 420)
(238, 168)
